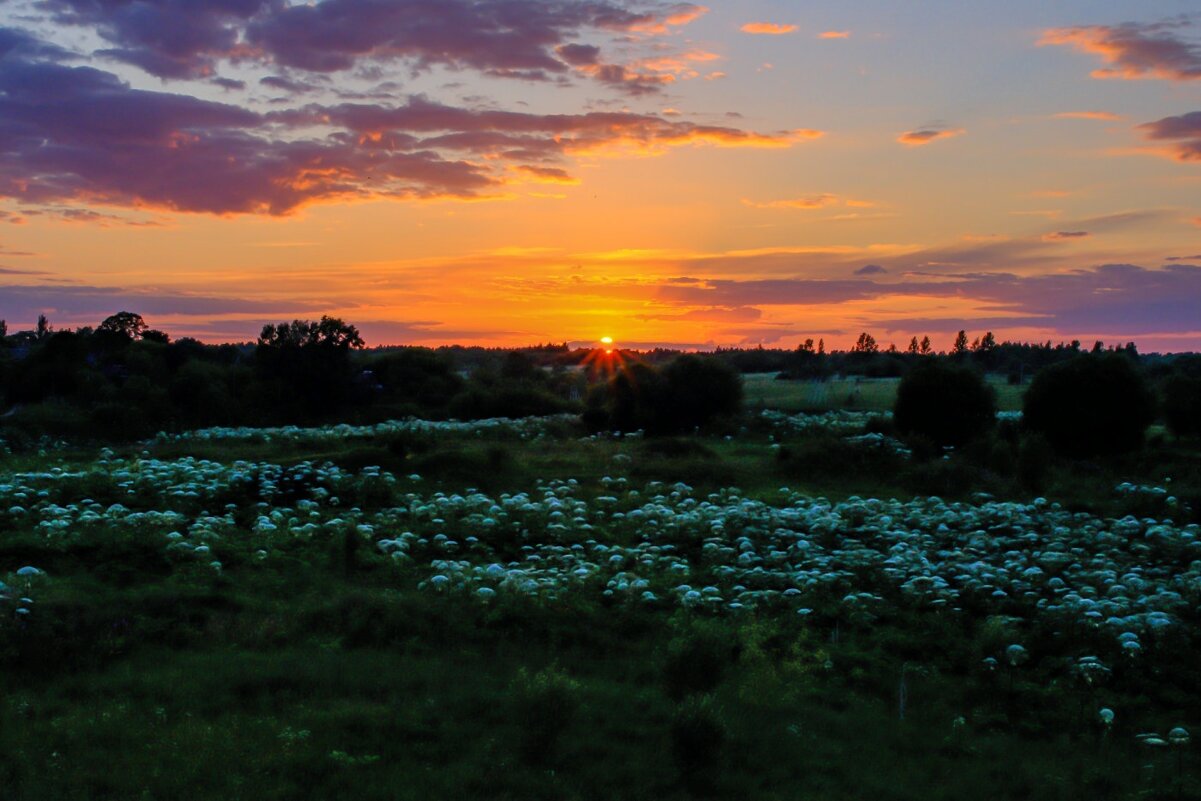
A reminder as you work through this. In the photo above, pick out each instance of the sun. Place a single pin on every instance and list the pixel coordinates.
(607, 342)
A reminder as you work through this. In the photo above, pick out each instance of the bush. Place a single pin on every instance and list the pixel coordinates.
(1092, 405)
(945, 403)
(1182, 405)
(697, 660)
(697, 737)
(546, 702)
(689, 393)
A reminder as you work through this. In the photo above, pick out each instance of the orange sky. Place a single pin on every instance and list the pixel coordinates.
(748, 173)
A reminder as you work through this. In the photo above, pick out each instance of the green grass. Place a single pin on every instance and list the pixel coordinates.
(763, 390)
(305, 677)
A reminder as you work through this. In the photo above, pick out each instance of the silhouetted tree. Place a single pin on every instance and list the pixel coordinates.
(127, 324)
(1090, 405)
(43, 329)
(865, 344)
(946, 403)
(1182, 404)
(913, 348)
(959, 348)
(926, 347)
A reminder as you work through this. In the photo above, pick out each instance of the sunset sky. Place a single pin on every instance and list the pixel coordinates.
(510, 172)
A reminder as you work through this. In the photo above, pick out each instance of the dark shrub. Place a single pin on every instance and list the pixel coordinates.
(697, 660)
(1034, 462)
(1091, 405)
(697, 737)
(700, 389)
(1182, 405)
(545, 704)
(690, 392)
(946, 403)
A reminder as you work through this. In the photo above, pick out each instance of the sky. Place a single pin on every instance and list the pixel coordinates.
(510, 172)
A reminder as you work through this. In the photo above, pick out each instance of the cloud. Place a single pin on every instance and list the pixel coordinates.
(1195, 257)
(924, 136)
(90, 304)
(180, 39)
(716, 314)
(550, 175)
(1089, 115)
(767, 28)
(834, 35)
(811, 202)
(1114, 298)
(81, 134)
(1183, 132)
(1134, 50)
(1061, 235)
(871, 269)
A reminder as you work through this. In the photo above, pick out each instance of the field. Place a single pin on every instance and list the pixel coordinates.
(515, 610)
(866, 394)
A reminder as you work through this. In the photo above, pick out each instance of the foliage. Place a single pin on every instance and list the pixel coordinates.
(1091, 405)
(949, 404)
(690, 392)
(1182, 404)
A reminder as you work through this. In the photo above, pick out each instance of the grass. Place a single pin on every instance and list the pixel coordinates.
(763, 390)
(307, 676)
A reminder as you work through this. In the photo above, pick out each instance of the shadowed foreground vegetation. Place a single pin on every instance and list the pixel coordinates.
(671, 588)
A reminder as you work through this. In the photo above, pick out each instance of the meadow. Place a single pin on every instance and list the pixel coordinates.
(763, 390)
(517, 609)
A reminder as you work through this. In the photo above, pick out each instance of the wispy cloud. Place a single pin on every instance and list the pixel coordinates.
(928, 134)
(1108, 116)
(768, 28)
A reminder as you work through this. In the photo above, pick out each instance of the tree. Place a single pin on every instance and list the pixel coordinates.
(926, 347)
(821, 347)
(689, 392)
(1182, 404)
(985, 344)
(947, 403)
(330, 332)
(128, 324)
(3, 329)
(865, 344)
(1090, 405)
(960, 346)
(154, 335)
(700, 389)
(43, 328)
(913, 348)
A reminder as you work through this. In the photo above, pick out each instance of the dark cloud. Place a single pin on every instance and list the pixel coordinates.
(1135, 50)
(88, 304)
(78, 133)
(1060, 235)
(289, 85)
(1117, 298)
(871, 269)
(1184, 133)
(578, 55)
(522, 39)
(167, 38)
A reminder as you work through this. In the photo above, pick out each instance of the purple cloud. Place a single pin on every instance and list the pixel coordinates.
(1134, 50)
(81, 134)
(1184, 133)
(1118, 298)
(524, 39)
